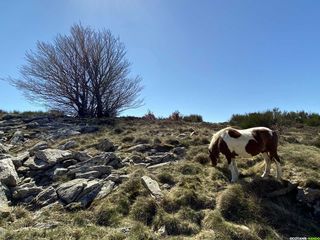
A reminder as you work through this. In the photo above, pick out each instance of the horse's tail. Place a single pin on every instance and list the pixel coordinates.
(275, 141)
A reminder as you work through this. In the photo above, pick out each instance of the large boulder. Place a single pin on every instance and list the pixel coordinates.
(8, 173)
(26, 191)
(81, 191)
(47, 158)
(69, 191)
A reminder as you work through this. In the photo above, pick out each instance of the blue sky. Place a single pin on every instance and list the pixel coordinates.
(210, 57)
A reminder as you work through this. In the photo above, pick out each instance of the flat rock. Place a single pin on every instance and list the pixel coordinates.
(140, 148)
(152, 186)
(4, 207)
(69, 191)
(8, 173)
(45, 197)
(106, 189)
(26, 190)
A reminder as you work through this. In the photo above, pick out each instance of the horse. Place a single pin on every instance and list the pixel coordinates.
(246, 143)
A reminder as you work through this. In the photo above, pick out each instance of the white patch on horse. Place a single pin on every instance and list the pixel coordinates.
(267, 166)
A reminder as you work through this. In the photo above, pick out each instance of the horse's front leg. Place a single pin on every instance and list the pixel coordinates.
(234, 170)
(267, 165)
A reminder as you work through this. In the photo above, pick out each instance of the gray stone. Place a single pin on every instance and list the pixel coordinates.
(59, 172)
(160, 158)
(152, 186)
(68, 145)
(20, 158)
(69, 162)
(4, 148)
(69, 191)
(8, 173)
(17, 138)
(88, 175)
(105, 145)
(45, 197)
(140, 148)
(106, 189)
(26, 190)
(53, 156)
(39, 146)
(159, 165)
(4, 207)
(89, 193)
(82, 170)
(82, 156)
(181, 151)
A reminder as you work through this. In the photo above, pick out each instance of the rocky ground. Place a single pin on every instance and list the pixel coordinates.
(131, 178)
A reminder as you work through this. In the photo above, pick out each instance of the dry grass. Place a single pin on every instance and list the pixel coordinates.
(200, 202)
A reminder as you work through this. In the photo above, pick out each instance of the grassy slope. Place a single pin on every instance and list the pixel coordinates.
(201, 204)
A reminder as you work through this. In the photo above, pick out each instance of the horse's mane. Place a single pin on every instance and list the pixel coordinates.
(216, 136)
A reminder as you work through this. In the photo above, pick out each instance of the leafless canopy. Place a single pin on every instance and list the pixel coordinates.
(85, 73)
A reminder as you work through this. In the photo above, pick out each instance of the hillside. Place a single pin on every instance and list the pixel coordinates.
(132, 178)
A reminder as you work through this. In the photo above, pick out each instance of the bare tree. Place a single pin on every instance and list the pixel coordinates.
(85, 73)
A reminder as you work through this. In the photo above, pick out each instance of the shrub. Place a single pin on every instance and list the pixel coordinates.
(175, 116)
(149, 116)
(165, 177)
(193, 118)
(144, 210)
(201, 158)
(107, 216)
(236, 205)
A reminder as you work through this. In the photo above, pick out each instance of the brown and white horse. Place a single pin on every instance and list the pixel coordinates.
(249, 142)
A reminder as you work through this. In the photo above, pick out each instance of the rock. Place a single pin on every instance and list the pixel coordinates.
(105, 145)
(3, 156)
(152, 186)
(88, 171)
(4, 207)
(180, 151)
(45, 197)
(69, 162)
(160, 158)
(64, 133)
(32, 125)
(88, 175)
(17, 138)
(59, 172)
(4, 148)
(52, 156)
(44, 159)
(89, 129)
(78, 191)
(68, 145)
(25, 191)
(39, 146)
(8, 173)
(106, 189)
(140, 148)
(69, 191)
(163, 148)
(159, 165)
(82, 156)
(89, 193)
(20, 158)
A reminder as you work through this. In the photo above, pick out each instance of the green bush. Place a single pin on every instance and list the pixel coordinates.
(193, 118)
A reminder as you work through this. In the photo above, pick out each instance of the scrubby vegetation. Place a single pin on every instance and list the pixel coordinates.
(274, 117)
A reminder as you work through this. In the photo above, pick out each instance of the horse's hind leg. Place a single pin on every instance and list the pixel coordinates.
(277, 161)
(267, 165)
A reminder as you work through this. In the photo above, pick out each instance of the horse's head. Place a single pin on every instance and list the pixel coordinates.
(214, 156)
